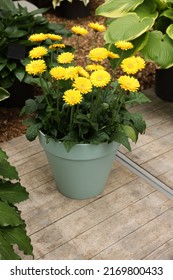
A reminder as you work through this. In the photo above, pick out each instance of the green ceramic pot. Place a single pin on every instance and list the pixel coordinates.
(83, 172)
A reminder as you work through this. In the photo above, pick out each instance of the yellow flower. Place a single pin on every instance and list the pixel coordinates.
(65, 58)
(141, 62)
(113, 55)
(98, 54)
(100, 78)
(38, 52)
(128, 83)
(72, 97)
(71, 72)
(38, 37)
(94, 67)
(130, 65)
(54, 37)
(97, 27)
(82, 72)
(58, 73)
(36, 67)
(79, 30)
(124, 45)
(54, 46)
(83, 85)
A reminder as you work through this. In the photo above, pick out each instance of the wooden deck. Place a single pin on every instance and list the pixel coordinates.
(129, 220)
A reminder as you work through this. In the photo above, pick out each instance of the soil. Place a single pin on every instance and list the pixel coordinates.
(11, 123)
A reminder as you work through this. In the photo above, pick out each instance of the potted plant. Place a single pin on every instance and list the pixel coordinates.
(149, 26)
(12, 226)
(82, 116)
(72, 8)
(16, 24)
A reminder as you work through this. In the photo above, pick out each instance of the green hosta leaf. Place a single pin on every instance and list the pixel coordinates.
(130, 132)
(159, 49)
(128, 28)
(112, 8)
(6, 250)
(13, 193)
(11, 66)
(18, 236)
(3, 155)
(8, 215)
(169, 31)
(3, 94)
(7, 171)
(168, 13)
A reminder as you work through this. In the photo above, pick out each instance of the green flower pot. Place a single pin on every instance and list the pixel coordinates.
(83, 172)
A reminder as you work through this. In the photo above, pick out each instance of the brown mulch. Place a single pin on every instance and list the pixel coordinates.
(10, 122)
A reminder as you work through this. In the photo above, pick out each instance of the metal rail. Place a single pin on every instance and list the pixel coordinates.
(148, 177)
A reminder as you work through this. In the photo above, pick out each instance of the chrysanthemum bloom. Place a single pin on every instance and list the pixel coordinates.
(129, 83)
(94, 67)
(65, 58)
(72, 97)
(130, 65)
(58, 73)
(38, 37)
(98, 54)
(79, 30)
(82, 72)
(141, 62)
(38, 52)
(54, 37)
(56, 46)
(83, 85)
(36, 67)
(124, 45)
(71, 72)
(96, 26)
(100, 78)
(113, 55)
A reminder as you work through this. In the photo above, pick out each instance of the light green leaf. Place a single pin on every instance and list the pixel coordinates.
(169, 31)
(130, 132)
(128, 28)
(159, 49)
(112, 8)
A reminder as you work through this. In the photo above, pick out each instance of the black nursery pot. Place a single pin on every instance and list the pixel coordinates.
(73, 10)
(164, 84)
(19, 93)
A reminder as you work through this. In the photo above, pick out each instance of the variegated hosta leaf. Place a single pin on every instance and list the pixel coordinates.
(159, 49)
(114, 9)
(128, 28)
(57, 3)
(169, 31)
(3, 94)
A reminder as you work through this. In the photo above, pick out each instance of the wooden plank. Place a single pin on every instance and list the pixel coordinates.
(147, 242)
(77, 223)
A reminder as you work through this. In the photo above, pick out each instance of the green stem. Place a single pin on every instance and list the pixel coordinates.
(71, 117)
(44, 92)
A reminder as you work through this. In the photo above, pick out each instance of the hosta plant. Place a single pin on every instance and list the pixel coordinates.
(56, 3)
(148, 24)
(12, 226)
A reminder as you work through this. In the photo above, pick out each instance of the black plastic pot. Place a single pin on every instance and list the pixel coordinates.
(164, 84)
(19, 93)
(76, 9)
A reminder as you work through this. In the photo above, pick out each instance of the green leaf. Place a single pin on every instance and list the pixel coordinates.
(12, 192)
(11, 66)
(159, 49)
(8, 215)
(6, 250)
(128, 28)
(32, 131)
(19, 72)
(122, 138)
(30, 107)
(18, 236)
(137, 98)
(112, 8)
(3, 94)
(130, 132)
(7, 171)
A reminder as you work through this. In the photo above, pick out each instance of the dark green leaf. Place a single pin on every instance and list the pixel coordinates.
(6, 250)
(3, 94)
(32, 131)
(8, 215)
(12, 192)
(19, 72)
(7, 171)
